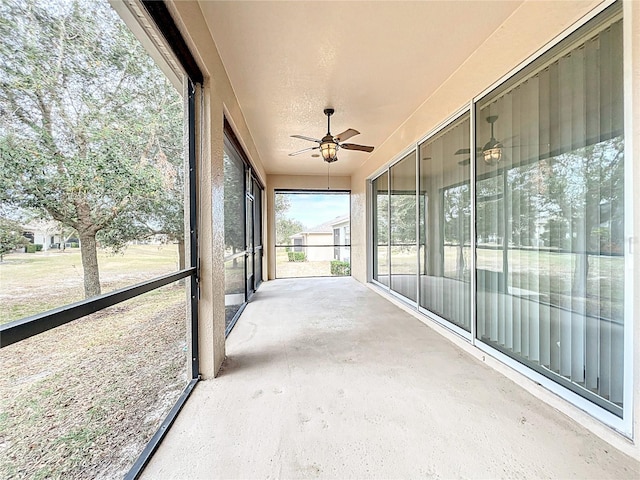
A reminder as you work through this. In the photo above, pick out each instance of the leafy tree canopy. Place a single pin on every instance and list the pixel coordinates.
(91, 129)
(10, 236)
(285, 226)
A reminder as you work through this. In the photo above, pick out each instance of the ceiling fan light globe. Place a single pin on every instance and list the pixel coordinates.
(493, 155)
(329, 151)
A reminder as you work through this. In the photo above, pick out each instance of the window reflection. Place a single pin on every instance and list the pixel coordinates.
(381, 228)
(550, 218)
(403, 227)
(234, 232)
(445, 222)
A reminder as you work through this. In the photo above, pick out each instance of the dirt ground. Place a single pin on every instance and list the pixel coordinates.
(82, 400)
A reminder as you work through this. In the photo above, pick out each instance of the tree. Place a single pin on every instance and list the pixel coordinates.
(586, 191)
(234, 205)
(10, 236)
(87, 119)
(403, 219)
(457, 222)
(282, 204)
(285, 226)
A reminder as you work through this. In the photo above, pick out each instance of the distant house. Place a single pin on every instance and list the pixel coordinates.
(45, 233)
(327, 241)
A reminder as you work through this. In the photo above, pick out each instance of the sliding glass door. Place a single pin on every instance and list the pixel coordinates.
(380, 207)
(402, 210)
(545, 183)
(258, 192)
(242, 230)
(445, 224)
(550, 216)
(234, 232)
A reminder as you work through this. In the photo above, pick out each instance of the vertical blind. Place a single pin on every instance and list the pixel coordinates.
(403, 246)
(549, 217)
(549, 232)
(445, 233)
(380, 200)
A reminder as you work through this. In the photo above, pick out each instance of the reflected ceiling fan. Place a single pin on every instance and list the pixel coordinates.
(491, 152)
(329, 144)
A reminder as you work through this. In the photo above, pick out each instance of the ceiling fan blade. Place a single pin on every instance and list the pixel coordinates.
(508, 139)
(466, 151)
(302, 151)
(306, 138)
(346, 135)
(353, 146)
(464, 162)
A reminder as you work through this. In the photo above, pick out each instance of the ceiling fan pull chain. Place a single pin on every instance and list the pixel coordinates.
(328, 167)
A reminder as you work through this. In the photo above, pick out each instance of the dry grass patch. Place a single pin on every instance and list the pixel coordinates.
(82, 400)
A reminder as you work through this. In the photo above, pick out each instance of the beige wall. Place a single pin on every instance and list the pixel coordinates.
(319, 254)
(529, 29)
(293, 182)
(217, 101)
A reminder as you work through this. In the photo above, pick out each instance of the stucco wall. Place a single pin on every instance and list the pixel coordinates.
(217, 101)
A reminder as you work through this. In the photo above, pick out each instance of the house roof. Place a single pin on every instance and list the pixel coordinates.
(47, 226)
(326, 227)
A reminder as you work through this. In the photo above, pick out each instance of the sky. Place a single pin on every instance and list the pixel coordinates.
(315, 208)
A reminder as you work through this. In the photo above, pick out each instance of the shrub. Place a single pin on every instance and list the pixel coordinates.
(297, 256)
(30, 248)
(38, 247)
(74, 244)
(339, 268)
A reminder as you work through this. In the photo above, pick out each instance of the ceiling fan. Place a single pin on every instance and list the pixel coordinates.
(491, 152)
(329, 144)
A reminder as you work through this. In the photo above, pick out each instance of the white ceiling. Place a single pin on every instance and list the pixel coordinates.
(375, 62)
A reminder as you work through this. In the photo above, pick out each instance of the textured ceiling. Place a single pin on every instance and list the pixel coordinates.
(374, 62)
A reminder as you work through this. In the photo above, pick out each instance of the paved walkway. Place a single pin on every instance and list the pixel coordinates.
(326, 379)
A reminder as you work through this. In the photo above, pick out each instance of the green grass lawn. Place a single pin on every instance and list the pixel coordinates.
(287, 269)
(549, 273)
(31, 283)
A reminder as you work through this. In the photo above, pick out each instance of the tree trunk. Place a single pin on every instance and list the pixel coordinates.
(181, 259)
(460, 256)
(581, 271)
(460, 262)
(583, 245)
(89, 255)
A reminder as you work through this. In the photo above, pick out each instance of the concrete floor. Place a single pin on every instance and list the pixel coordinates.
(326, 379)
